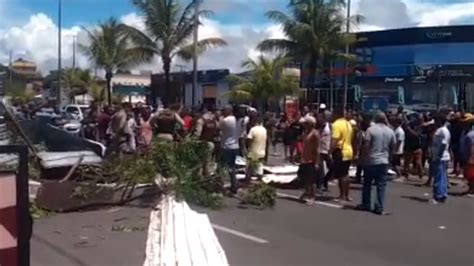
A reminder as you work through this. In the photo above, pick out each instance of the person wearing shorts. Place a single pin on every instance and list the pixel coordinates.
(257, 149)
(309, 159)
(412, 150)
(342, 152)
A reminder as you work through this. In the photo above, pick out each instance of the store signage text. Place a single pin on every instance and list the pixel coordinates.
(388, 80)
(436, 35)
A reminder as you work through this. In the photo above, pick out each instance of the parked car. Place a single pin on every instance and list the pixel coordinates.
(63, 120)
(247, 108)
(78, 111)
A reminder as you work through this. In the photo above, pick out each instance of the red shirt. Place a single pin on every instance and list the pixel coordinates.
(188, 120)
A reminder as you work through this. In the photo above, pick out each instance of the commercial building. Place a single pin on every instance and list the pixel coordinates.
(132, 87)
(422, 67)
(211, 88)
(417, 66)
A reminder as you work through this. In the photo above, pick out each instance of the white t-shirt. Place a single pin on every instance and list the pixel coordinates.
(441, 137)
(229, 133)
(258, 143)
(400, 137)
(325, 140)
(242, 124)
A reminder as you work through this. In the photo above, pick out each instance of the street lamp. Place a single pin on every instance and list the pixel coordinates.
(58, 95)
(74, 37)
(346, 76)
(195, 50)
(438, 93)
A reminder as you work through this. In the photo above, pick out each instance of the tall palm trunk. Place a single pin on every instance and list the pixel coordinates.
(108, 78)
(166, 92)
(313, 65)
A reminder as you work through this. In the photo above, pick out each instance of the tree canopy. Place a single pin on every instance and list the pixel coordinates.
(266, 81)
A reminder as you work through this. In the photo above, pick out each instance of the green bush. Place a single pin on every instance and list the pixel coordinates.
(179, 163)
(182, 163)
(260, 194)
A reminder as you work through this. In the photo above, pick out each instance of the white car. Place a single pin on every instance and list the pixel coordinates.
(78, 111)
(64, 121)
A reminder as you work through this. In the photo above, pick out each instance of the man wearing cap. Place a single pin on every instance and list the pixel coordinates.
(309, 159)
(322, 108)
(324, 130)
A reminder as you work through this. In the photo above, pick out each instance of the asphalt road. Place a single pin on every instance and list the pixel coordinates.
(291, 233)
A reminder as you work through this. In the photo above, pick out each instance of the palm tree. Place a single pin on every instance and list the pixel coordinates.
(21, 95)
(314, 29)
(169, 27)
(111, 49)
(266, 82)
(78, 81)
(97, 92)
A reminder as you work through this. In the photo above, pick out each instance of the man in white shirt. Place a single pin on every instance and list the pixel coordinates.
(440, 157)
(324, 146)
(400, 144)
(243, 121)
(229, 144)
(257, 143)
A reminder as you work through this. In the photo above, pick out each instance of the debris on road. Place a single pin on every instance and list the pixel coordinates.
(178, 235)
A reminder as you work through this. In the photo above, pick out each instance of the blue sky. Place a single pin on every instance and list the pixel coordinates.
(226, 11)
(90, 11)
(28, 28)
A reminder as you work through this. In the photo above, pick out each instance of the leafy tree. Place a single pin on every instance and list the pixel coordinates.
(21, 95)
(315, 30)
(111, 49)
(169, 28)
(265, 83)
(97, 92)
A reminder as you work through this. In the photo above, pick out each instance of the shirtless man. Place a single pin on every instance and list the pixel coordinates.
(309, 159)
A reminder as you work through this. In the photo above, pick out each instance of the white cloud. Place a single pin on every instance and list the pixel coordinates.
(429, 14)
(36, 39)
(386, 14)
(241, 40)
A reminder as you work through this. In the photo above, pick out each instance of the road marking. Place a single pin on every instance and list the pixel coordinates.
(114, 210)
(239, 234)
(327, 204)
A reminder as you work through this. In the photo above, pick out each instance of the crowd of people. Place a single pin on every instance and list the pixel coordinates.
(325, 144)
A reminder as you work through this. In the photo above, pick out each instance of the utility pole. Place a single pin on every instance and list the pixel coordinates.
(346, 76)
(438, 94)
(74, 52)
(183, 83)
(195, 51)
(331, 85)
(58, 94)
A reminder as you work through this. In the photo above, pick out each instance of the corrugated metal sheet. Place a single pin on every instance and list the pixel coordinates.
(178, 235)
(63, 159)
(6, 159)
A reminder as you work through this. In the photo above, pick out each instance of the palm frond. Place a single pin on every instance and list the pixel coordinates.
(186, 53)
(278, 45)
